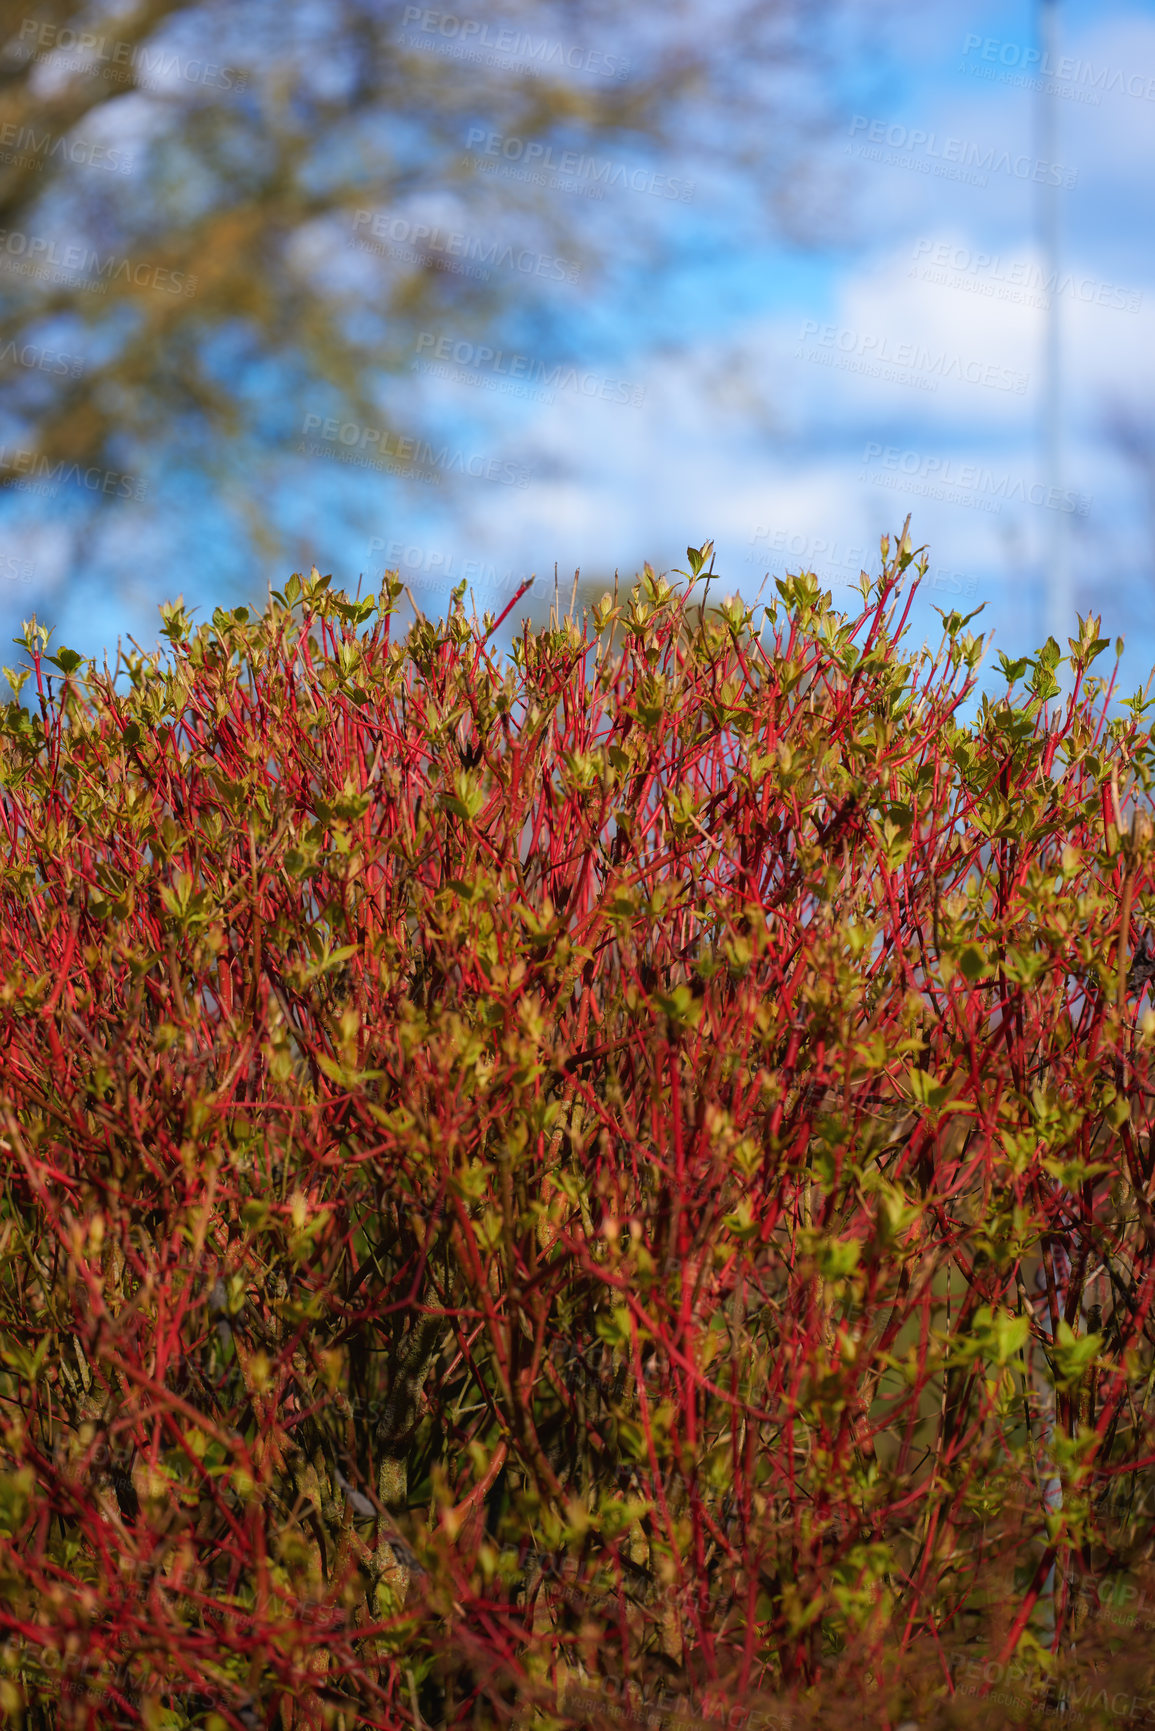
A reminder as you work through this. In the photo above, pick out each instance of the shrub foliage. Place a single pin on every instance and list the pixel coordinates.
(626, 1170)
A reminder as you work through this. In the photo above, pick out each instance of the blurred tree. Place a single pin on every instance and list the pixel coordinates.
(208, 234)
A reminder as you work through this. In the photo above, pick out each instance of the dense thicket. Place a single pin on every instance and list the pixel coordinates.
(621, 1179)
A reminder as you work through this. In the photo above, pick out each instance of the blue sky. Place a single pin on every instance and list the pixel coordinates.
(789, 404)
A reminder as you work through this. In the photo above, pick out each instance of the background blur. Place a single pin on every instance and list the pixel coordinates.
(473, 294)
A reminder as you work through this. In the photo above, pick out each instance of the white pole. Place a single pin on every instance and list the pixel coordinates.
(1058, 591)
(1058, 594)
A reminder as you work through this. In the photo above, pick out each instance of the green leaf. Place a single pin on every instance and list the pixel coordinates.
(837, 1257)
(996, 1336)
(333, 959)
(696, 557)
(15, 1490)
(1014, 670)
(472, 1181)
(952, 623)
(928, 1090)
(1072, 1355)
(344, 1075)
(468, 893)
(615, 1328)
(973, 964)
(742, 1222)
(1043, 683)
(680, 1007)
(1073, 1174)
(27, 1365)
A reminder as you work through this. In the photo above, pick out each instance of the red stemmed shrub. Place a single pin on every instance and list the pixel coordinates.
(617, 1184)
